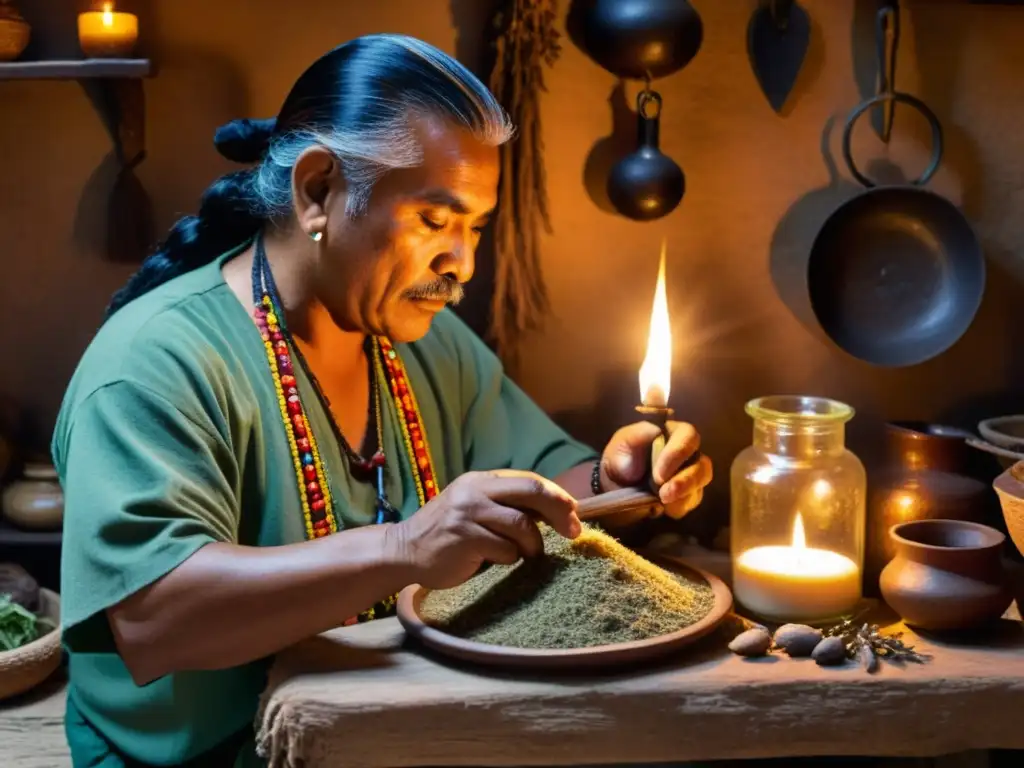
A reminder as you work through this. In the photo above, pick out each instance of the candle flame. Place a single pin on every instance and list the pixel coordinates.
(108, 15)
(656, 370)
(799, 537)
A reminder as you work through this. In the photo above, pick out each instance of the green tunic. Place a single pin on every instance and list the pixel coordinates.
(170, 438)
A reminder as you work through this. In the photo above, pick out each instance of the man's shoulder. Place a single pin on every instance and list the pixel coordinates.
(160, 325)
(165, 342)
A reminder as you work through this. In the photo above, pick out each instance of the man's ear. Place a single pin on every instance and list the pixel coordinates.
(316, 180)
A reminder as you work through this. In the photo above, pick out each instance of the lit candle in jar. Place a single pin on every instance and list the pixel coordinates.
(107, 33)
(796, 582)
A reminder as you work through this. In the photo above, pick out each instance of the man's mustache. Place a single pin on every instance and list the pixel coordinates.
(444, 289)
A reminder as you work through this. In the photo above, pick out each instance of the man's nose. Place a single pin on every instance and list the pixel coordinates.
(459, 262)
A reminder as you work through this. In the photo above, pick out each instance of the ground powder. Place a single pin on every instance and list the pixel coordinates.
(582, 592)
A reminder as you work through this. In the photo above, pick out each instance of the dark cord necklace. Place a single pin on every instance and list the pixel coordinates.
(263, 283)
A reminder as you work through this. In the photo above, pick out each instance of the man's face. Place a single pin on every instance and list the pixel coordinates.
(391, 269)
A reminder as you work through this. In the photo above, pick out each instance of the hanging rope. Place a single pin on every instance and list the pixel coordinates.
(525, 42)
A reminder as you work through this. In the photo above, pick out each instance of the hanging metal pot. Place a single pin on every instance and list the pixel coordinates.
(637, 39)
(896, 274)
(646, 184)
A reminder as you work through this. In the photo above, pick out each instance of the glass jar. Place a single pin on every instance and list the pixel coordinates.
(798, 513)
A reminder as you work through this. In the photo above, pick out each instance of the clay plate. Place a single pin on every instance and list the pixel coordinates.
(598, 656)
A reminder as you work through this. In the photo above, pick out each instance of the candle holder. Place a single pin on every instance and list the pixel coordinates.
(107, 33)
(798, 513)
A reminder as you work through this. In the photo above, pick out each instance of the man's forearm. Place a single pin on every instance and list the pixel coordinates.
(227, 605)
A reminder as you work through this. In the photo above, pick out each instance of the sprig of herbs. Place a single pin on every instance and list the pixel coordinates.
(18, 626)
(866, 643)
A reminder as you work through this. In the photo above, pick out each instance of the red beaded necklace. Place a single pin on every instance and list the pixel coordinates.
(311, 475)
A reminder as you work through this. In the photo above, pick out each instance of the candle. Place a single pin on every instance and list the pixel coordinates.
(796, 582)
(108, 33)
(656, 370)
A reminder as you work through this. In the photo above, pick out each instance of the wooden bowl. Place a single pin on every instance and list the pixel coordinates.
(24, 668)
(592, 658)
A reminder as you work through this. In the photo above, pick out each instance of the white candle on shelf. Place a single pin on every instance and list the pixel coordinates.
(108, 33)
(796, 582)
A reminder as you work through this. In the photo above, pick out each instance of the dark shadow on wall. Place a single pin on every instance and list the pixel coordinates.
(608, 150)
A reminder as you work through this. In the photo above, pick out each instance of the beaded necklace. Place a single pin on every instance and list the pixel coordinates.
(311, 475)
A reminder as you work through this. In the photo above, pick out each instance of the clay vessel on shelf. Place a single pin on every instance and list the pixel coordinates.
(14, 31)
(1010, 489)
(35, 501)
(946, 575)
(928, 472)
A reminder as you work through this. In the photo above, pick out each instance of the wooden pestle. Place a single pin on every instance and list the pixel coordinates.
(622, 500)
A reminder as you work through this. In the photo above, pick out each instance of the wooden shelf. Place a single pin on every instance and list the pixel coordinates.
(84, 69)
(16, 537)
(114, 86)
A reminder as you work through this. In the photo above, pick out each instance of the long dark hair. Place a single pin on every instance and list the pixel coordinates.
(356, 101)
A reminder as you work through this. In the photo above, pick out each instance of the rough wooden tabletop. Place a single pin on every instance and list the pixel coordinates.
(358, 692)
(32, 728)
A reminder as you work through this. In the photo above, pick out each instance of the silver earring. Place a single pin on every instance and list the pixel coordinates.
(317, 236)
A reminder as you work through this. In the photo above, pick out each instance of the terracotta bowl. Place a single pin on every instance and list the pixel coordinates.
(1009, 487)
(24, 668)
(600, 657)
(14, 36)
(946, 575)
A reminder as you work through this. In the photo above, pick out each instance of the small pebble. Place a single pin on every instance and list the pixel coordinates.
(753, 642)
(797, 639)
(830, 651)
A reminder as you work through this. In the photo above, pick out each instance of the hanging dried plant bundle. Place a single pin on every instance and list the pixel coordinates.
(525, 42)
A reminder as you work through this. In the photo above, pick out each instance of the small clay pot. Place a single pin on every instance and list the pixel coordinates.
(35, 501)
(1010, 489)
(14, 31)
(947, 574)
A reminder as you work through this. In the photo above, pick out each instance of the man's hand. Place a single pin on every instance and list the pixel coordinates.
(627, 457)
(481, 517)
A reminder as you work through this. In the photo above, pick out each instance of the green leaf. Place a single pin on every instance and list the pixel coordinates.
(18, 626)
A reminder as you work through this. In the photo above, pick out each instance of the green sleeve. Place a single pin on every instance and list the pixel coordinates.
(146, 484)
(503, 427)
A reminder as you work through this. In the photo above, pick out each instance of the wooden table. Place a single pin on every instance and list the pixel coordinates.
(32, 728)
(360, 693)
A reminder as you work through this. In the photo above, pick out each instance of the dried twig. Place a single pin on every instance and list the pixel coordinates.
(525, 42)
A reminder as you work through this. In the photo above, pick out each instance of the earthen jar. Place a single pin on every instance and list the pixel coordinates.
(928, 473)
(1010, 488)
(35, 501)
(14, 31)
(946, 575)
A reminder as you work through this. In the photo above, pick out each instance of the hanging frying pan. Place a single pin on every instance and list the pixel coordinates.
(896, 274)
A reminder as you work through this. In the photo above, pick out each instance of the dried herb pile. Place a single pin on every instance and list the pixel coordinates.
(18, 626)
(582, 592)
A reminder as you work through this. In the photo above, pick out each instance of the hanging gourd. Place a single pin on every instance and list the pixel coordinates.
(641, 40)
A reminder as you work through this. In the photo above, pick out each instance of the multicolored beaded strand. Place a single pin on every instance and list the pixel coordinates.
(311, 476)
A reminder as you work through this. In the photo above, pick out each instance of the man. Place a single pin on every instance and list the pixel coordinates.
(280, 425)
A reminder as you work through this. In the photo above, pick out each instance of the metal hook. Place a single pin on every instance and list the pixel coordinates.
(780, 10)
(888, 37)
